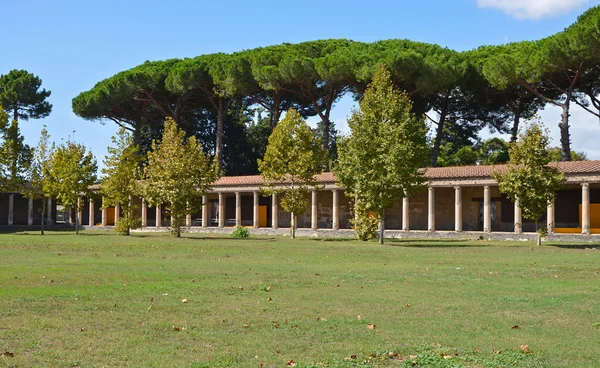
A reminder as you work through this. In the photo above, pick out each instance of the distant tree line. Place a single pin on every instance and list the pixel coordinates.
(232, 102)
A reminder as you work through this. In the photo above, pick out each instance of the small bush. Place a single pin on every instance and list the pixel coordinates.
(365, 226)
(123, 226)
(240, 233)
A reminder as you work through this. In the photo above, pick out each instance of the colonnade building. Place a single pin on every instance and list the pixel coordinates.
(457, 201)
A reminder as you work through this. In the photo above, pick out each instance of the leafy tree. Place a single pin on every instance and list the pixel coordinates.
(379, 162)
(528, 177)
(21, 96)
(39, 185)
(556, 155)
(15, 157)
(119, 183)
(71, 171)
(293, 157)
(177, 174)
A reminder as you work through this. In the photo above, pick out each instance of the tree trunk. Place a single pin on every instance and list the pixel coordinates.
(44, 200)
(565, 139)
(515, 128)
(381, 227)
(435, 152)
(219, 138)
(293, 224)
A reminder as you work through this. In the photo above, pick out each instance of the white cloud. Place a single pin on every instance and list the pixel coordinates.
(532, 9)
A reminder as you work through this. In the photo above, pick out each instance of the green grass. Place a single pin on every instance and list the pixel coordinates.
(102, 300)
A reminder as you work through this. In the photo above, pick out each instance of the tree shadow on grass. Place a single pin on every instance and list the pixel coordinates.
(584, 246)
(435, 243)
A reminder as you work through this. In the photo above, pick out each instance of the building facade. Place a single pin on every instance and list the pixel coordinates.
(462, 202)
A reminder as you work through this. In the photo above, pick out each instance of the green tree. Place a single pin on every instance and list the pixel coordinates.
(21, 96)
(293, 157)
(379, 162)
(39, 185)
(15, 157)
(528, 177)
(556, 155)
(119, 183)
(177, 174)
(71, 171)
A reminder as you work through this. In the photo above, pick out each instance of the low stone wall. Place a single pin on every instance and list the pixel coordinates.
(342, 233)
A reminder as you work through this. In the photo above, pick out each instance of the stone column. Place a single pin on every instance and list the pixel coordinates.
(117, 213)
(238, 209)
(48, 214)
(314, 220)
(158, 216)
(550, 218)
(405, 214)
(205, 211)
(458, 223)
(431, 210)
(518, 218)
(104, 219)
(92, 215)
(255, 221)
(585, 208)
(188, 220)
(30, 212)
(144, 213)
(335, 222)
(274, 211)
(221, 215)
(11, 208)
(487, 218)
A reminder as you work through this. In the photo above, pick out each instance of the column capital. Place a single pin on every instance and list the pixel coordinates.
(457, 187)
(585, 185)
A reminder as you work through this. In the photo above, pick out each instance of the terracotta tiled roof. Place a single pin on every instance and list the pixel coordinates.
(476, 171)
(327, 177)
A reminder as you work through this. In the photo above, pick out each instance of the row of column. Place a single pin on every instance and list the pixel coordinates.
(11, 210)
(458, 225)
(238, 211)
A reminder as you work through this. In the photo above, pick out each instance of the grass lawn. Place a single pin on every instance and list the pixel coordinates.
(102, 300)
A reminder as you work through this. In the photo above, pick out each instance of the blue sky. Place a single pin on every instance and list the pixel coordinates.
(72, 45)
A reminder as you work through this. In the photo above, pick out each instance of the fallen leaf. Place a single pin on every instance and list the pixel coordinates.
(246, 325)
(525, 349)
(447, 356)
(351, 357)
(407, 305)
(43, 277)
(359, 317)
(175, 328)
(184, 300)
(371, 326)
(515, 327)
(278, 352)
(51, 281)
(291, 363)
(269, 299)
(7, 354)
(241, 288)
(165, 294)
